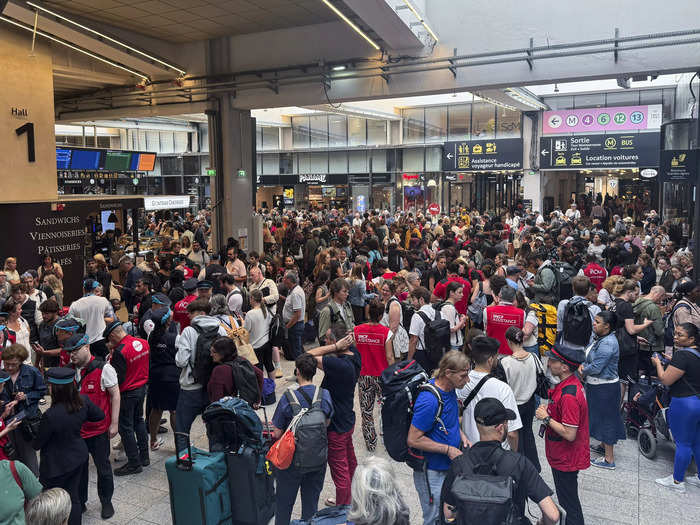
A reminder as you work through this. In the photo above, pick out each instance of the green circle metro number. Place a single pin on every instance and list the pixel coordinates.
(620, 118)
(603, 119)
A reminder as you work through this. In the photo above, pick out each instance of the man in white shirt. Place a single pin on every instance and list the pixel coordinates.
(572, 213)
(267, 287)
(420, 297)
(485, 357)
(96, 311)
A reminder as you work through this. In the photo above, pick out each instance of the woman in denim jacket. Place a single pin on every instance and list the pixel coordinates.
(357, 295)
(603, 389)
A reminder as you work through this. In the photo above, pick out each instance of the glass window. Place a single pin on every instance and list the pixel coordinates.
(394, 160)
(378, 161)
(669, 104)
(319, 131)
(258, 164)
(171, 165)
(413, 159)
(304, 161)
(270, 138)
(458, 118)
(190, 164)
(508, 123)
(376, 132)
(258, 138)
(286, 163)
(413, 120)
(564, 102)
(357, 161)
(357, 132)
(592, 100)
(435, 124)
(338, 162)
(622, 98)
(337, 130)
(483, 120)
(300, 132)
(433, 159)
(319, 162)
(650, 96)
(271, 164)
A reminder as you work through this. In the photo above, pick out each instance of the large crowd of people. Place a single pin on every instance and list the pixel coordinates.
(569, 320)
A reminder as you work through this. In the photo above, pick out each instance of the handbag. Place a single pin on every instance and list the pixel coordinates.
(241, 337)
(281, 453)
(543, 384)
(30, 427)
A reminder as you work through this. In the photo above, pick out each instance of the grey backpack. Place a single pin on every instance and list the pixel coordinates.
(310, 434)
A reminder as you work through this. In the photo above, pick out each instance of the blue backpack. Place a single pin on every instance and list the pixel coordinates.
(231, 422)
(331, 516)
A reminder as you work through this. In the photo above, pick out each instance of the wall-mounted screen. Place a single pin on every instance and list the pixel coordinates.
(85, 159)
(63, 156)
(118, 160)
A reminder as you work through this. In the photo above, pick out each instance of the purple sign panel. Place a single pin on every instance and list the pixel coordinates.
(610, 120)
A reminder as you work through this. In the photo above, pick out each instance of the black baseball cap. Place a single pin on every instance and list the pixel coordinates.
(110, 327)
(489, 411)
(566, 354)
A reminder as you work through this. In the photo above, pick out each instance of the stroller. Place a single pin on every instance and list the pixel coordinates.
(646, 418)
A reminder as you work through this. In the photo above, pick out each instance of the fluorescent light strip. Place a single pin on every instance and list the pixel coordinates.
(351, 24)
(420, 19)
(75, 48)
(496, 102)
(524, 99)
(101, 35)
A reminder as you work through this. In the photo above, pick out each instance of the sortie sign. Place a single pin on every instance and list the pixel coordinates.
(636, 150)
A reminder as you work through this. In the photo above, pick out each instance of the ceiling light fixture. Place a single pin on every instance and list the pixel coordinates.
(351, 24)
(496, 102)
(339, 68)
(525, 98)
(110, 39)
(420, 19)
(75, 48)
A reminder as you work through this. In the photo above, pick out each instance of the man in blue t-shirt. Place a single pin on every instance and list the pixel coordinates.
(291, 479)
(439, 437)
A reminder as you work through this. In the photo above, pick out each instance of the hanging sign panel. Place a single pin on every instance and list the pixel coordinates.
(599, 151)
(623, 118)
(483, 155)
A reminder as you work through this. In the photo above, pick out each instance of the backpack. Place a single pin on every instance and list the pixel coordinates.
(245, 380)
(401, 383)
(276, 330)
(202, 363)
(231, 422)
(483, 495)
(546, 325)
(563, 271)
(337, 515)
(310, 433)
(669, 323)
(475, 310)
(577, 325)
(556, 287)
(436, 335)
(245, 295)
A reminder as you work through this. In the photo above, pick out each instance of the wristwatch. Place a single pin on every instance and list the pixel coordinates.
(547, 420)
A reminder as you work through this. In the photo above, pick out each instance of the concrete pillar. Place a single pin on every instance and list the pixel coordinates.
(532, 188)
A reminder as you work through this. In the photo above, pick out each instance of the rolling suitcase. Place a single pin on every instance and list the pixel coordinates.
(199, 492)
(251, 486)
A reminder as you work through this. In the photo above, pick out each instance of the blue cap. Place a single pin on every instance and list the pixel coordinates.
(70, 324)
(161, 298)
(60, 375)
(75, 342)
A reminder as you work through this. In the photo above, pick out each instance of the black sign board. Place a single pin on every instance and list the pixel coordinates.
(635, 150)
(679, 165)
(483, 155)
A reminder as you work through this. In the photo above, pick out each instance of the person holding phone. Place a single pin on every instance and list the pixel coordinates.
(7, 425)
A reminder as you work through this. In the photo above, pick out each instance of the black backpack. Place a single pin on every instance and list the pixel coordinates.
(245, 380)
(483, 495)
(577, 323)
(436, 335)
(407, 312)
(627, 343)
(401, 383)
(310, 432)
(245, 298)
(202, 363)
(276, 330)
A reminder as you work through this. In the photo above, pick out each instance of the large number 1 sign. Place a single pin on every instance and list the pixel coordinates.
(28, 128)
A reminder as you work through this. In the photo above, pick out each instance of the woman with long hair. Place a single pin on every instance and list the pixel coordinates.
(17, 324)
(600, 371)
(521, 371)
(682, 376)
(64, 453)
(453, 294)
(257, 322)
(49, 267)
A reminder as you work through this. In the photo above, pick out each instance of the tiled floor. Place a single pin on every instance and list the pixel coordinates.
(627, 495)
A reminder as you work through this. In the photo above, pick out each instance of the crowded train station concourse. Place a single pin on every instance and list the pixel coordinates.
(387, 262)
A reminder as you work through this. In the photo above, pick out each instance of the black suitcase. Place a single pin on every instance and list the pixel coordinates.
(251, 485)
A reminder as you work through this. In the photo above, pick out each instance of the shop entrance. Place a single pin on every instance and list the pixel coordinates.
(625, 191)
(496, 192)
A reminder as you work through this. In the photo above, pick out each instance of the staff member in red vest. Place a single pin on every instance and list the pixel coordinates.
(180, 314)
(594, 271)
(130, 358)
(98, 381)
(501, 316)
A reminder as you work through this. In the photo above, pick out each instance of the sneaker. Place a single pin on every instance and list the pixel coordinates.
(601, 463)
(127, 470)
(693, 480)
(107, 510)
(598, 449)
(157, 443)
(669, 482)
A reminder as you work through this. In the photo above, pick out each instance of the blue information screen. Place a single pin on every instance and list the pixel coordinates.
(63, 157)
(85, 159)
(134, 162)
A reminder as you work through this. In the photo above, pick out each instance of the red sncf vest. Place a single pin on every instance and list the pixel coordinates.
(136, 354)
(91, 386)
(499, 318)
(596, 274)
(180, 312)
